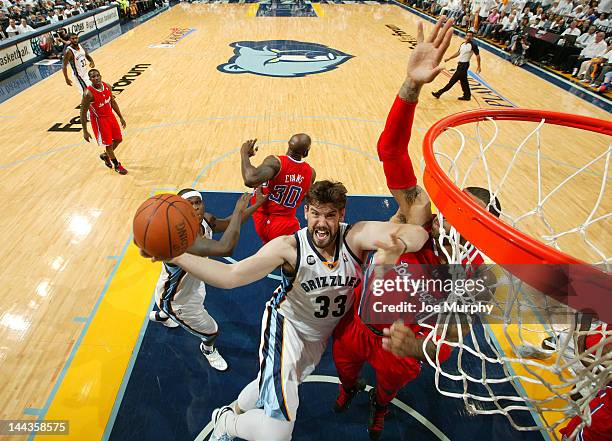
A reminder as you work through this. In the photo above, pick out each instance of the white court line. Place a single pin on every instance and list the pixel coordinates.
(334, 380)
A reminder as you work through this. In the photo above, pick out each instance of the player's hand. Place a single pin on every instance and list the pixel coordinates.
(401, 341)
(242, 203)
(86, 135)
(260, 197)
(122, 121)
(478, 70)
(92, 64)
(388, 253)
(68, 81)
(424, 62)
(249, 147)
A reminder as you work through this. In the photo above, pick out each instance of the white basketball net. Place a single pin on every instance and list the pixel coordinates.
(501, 366)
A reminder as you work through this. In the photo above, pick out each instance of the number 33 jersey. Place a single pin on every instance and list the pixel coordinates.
(320, 292)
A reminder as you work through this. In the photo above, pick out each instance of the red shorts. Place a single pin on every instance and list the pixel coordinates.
(354, 344)
(601, 419)
(106, 130)
(268, 228)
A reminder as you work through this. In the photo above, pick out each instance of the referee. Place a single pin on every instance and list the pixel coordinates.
(461, 73)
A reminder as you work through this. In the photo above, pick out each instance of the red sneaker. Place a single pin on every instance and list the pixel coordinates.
(107, 161)
(376, 421)
(345, 397)
(119, 169)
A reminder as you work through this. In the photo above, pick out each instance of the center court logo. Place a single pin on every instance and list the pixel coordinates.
(282, 58)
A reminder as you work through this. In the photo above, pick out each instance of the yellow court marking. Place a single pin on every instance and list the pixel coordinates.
(89, 389)
(252, 11)
(319, 10)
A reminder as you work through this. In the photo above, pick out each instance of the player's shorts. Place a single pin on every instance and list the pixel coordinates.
(186, 306)
(271, 227)
(286, 358)
(601, 419)
(106, 130)
(354, 343)
(80, 83)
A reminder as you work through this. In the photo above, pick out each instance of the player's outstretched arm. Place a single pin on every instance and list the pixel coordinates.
(67, 58)
(222, 224)
(225, 246)
(255, 176)
(222, 275)
(367, 236)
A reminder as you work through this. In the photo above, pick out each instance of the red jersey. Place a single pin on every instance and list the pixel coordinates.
(101, 107)
(288, 188)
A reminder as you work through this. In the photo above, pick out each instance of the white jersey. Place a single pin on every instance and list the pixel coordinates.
(79, 66)
(175, 283)
(320, 293)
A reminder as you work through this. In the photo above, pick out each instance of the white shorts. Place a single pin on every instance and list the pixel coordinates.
(286, 358)
(181, 296)
(80, 83)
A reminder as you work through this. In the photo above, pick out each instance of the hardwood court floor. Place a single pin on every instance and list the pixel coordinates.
(65, 217)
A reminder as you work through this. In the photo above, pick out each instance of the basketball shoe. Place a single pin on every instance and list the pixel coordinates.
(163, 318)
(214, 358)
(376, 421)
(345, 397)
(107, 161)
(119, 169)
(219, 417)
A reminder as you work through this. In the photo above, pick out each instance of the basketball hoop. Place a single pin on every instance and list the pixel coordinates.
(527, 261)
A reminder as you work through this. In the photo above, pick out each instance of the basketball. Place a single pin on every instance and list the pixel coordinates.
(165, 226)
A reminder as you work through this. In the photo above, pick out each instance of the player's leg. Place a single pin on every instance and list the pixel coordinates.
(285, 360)
(97, 126)
(347, 350)
(456, 76)
(187, 310)
(116, 137)
(392, 373)
(465, 85)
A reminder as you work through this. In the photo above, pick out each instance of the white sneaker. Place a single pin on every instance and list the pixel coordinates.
(163, 318)
(219, 417)
(214, 358)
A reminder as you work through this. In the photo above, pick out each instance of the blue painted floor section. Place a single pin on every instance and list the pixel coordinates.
(173, 391)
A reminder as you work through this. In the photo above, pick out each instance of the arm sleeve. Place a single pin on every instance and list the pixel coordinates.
(393, 146)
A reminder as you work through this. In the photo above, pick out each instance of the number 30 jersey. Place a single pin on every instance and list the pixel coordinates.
(287, 189)
(320, 292)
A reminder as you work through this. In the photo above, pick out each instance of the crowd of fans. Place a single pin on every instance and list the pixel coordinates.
(571, 36)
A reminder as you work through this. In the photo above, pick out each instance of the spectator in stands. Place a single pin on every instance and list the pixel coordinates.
(538, 14)
(558, 25)
(564, 7)
(572, 30)
(596, 49)
(39, 21)
(591, 16)
(587, 38)
(58, 46)
(578, 13)
(506, 28)
(598, 68)
(519, 50)
(4, 22)
(24, 27)
(53, 17)
(602, 22)
(11, 30)
(525, 13)
(487, 26)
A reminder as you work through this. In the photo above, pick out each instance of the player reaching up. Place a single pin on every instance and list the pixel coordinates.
(359, 338)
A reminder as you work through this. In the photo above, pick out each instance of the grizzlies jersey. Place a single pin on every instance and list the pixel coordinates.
(321, 292)
(79, 66)
(175, 281)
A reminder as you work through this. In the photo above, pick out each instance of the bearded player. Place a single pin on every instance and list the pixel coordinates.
(356, 339)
